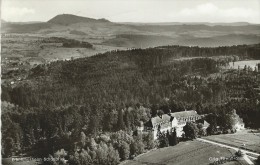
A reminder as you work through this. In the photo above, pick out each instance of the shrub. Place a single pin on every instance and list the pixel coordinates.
(239, 153)
(190, 130)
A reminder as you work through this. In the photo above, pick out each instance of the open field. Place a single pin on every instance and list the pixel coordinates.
(251, 140)
(20, 52)
(26, 46)
(190, 152)
(241, 64)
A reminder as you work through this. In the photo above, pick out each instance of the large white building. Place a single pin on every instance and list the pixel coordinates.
(167, 122)
(177, 120)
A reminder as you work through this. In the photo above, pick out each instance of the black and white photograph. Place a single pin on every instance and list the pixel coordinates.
(130, 82)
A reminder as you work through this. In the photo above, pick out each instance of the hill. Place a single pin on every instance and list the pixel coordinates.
(68, 19)
(24, 27)
(149, 68)
(138, 35)
(140, 41)
(97, 93)
(225, 40)
(188, 23)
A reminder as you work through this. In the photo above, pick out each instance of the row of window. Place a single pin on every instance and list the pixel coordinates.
(164, 123)
(192, 118)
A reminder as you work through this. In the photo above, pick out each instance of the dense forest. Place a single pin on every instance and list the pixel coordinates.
(68, 43)
(66, 104)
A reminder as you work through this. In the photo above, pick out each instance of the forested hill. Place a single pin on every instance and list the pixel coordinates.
(138, 75)
(116, 90)
(67, 19)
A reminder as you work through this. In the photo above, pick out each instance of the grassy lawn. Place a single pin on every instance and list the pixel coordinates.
(185, 153)
(251, 141)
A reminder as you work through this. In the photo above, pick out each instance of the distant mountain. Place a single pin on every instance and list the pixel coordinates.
(225, 40)
(231, 24)
(190, 23)
(68, 19)
(144, 41)
(141, 35)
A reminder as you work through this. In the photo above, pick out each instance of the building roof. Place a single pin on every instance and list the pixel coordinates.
(184, 114)
(240, 120)
(205, 124)
(163, 119)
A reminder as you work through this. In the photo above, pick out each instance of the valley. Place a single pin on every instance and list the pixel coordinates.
(23, 44)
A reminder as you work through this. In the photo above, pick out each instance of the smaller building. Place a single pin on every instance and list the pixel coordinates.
(162, 123)
(202, 125)
(205, 125)
(239, 125)
(141, 127)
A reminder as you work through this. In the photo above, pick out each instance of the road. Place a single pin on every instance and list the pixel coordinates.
(246, 156)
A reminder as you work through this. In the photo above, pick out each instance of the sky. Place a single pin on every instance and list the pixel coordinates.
(135, 10)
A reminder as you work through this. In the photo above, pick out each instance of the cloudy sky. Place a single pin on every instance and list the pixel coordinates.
(135, 10)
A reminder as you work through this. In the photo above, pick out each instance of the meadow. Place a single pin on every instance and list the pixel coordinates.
(249, 141)
(241, 64)
(190, 152)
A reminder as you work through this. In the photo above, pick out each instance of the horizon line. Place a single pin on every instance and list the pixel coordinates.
(152, 22)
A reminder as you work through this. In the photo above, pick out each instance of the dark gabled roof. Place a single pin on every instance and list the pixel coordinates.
(184, 114)
(165, 118)
(162, 119)
(148, 124)
(203, 122)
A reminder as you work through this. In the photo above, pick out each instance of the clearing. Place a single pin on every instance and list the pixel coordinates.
(244, 140)
(190, 152)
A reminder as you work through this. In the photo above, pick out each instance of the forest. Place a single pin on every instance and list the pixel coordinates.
(68, 43)
(94, 104)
